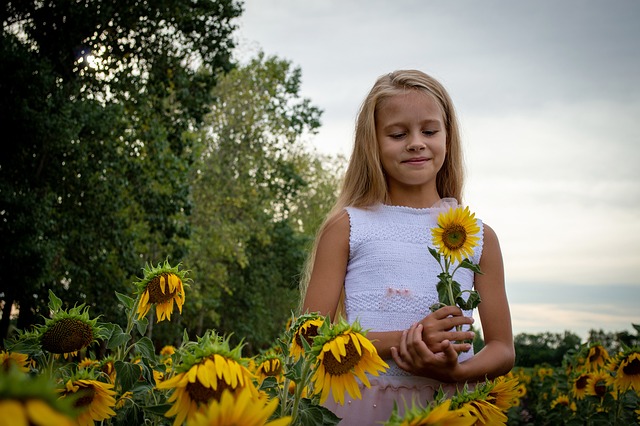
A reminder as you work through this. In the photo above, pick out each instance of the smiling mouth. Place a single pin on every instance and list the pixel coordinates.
(416, 160)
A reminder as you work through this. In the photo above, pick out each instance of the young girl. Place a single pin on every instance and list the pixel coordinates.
(371, 259)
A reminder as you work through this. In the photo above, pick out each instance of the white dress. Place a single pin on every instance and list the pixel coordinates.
(389, 285)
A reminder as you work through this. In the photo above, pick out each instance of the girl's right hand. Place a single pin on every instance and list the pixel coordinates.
(439, 330)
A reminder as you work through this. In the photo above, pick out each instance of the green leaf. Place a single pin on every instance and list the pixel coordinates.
(471, 303)
(55, 303)
(311, 414)
(158, 410)
(467, 264)
(141, 325)
(127, 374)
(145, 347)
(125, 300)
(435, 254)
(118, 337)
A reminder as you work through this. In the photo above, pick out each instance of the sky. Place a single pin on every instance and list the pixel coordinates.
(548, 98)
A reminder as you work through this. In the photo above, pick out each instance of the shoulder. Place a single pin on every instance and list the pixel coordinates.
(336, 228)
(491, 251)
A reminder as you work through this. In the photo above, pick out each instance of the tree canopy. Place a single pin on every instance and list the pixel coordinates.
(96, 97)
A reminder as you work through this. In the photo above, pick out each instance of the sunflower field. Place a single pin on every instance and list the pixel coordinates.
(76, 370)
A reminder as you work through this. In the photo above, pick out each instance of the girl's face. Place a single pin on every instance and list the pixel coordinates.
(412, 142)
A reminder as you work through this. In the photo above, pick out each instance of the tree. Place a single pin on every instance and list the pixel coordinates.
(97, 97)
(258, 192)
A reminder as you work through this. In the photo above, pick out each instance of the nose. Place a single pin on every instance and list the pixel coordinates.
(415, 143)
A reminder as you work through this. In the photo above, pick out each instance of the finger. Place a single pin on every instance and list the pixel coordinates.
(404, 353)
(414, 335)
(447, 311)
(398, 359)
(461, 347)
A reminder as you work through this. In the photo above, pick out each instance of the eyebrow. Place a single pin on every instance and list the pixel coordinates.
(424, 122)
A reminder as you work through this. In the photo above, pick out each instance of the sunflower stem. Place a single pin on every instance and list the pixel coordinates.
(304, 379)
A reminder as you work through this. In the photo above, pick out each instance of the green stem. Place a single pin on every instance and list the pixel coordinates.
(304, 380)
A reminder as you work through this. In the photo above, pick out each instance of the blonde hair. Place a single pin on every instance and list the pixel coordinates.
(364, 182)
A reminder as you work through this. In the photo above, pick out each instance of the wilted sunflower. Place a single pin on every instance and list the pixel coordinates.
(208, 368)
(305, 327)
(504, 392)
(599, 383)
(455, 236)
(597, 357)
(94, 399)
(438, 415)
(343, 353)
(161, 286)
(31, 400)
(241, 408)
(68, 332)
(563, 401)
(16, 360)
(628, 373)
(580, 385)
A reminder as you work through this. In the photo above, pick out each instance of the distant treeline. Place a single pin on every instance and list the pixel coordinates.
(551, 348)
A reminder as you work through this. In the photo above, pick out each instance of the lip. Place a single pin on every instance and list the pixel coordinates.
(416, 160)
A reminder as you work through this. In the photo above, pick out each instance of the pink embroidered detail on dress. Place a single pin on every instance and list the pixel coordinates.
(398, 291)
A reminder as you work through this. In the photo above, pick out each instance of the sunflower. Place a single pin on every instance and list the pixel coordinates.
(306, 327)
(208, 368)
(343, 353)
(31, 400)
(580, 385)
(599, 383)
(10, 360)
(270, 365)
(455, 236)
(68, 332)
(563, 401)
(505, 392)
(95, 400)
(161, 286)
(628, 373)
(241, 408)
(107, 368)
(88, 363)
(484, 412)
(438, 415)
(597, 357)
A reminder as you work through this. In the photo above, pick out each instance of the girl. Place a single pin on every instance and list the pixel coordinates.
(371, 261)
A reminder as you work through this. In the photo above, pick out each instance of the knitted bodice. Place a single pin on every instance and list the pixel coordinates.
(391, 276)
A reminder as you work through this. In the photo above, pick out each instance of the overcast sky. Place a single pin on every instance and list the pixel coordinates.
(548, 96)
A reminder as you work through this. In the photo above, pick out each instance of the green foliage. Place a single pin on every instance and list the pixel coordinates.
(544, 348)
(97, 97)
(252, 179)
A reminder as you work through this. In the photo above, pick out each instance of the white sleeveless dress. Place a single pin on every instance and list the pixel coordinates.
(389, 285)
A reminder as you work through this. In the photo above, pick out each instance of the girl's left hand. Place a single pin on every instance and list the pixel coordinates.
(415, 356)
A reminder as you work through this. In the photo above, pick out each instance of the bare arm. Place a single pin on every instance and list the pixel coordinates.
(498, 355)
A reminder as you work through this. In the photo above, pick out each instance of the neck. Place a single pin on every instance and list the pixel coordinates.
(418, 199)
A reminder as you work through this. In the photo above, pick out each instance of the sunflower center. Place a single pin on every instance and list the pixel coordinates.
(337, 368)
(600, 388)
(308, 334)
(632, 368)
(581, 383)
(66, 336)
(203, 395)
(86, 397)
(155, 291)
(454, 236)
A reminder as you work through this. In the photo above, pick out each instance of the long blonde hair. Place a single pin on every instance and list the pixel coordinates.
(364, 182)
